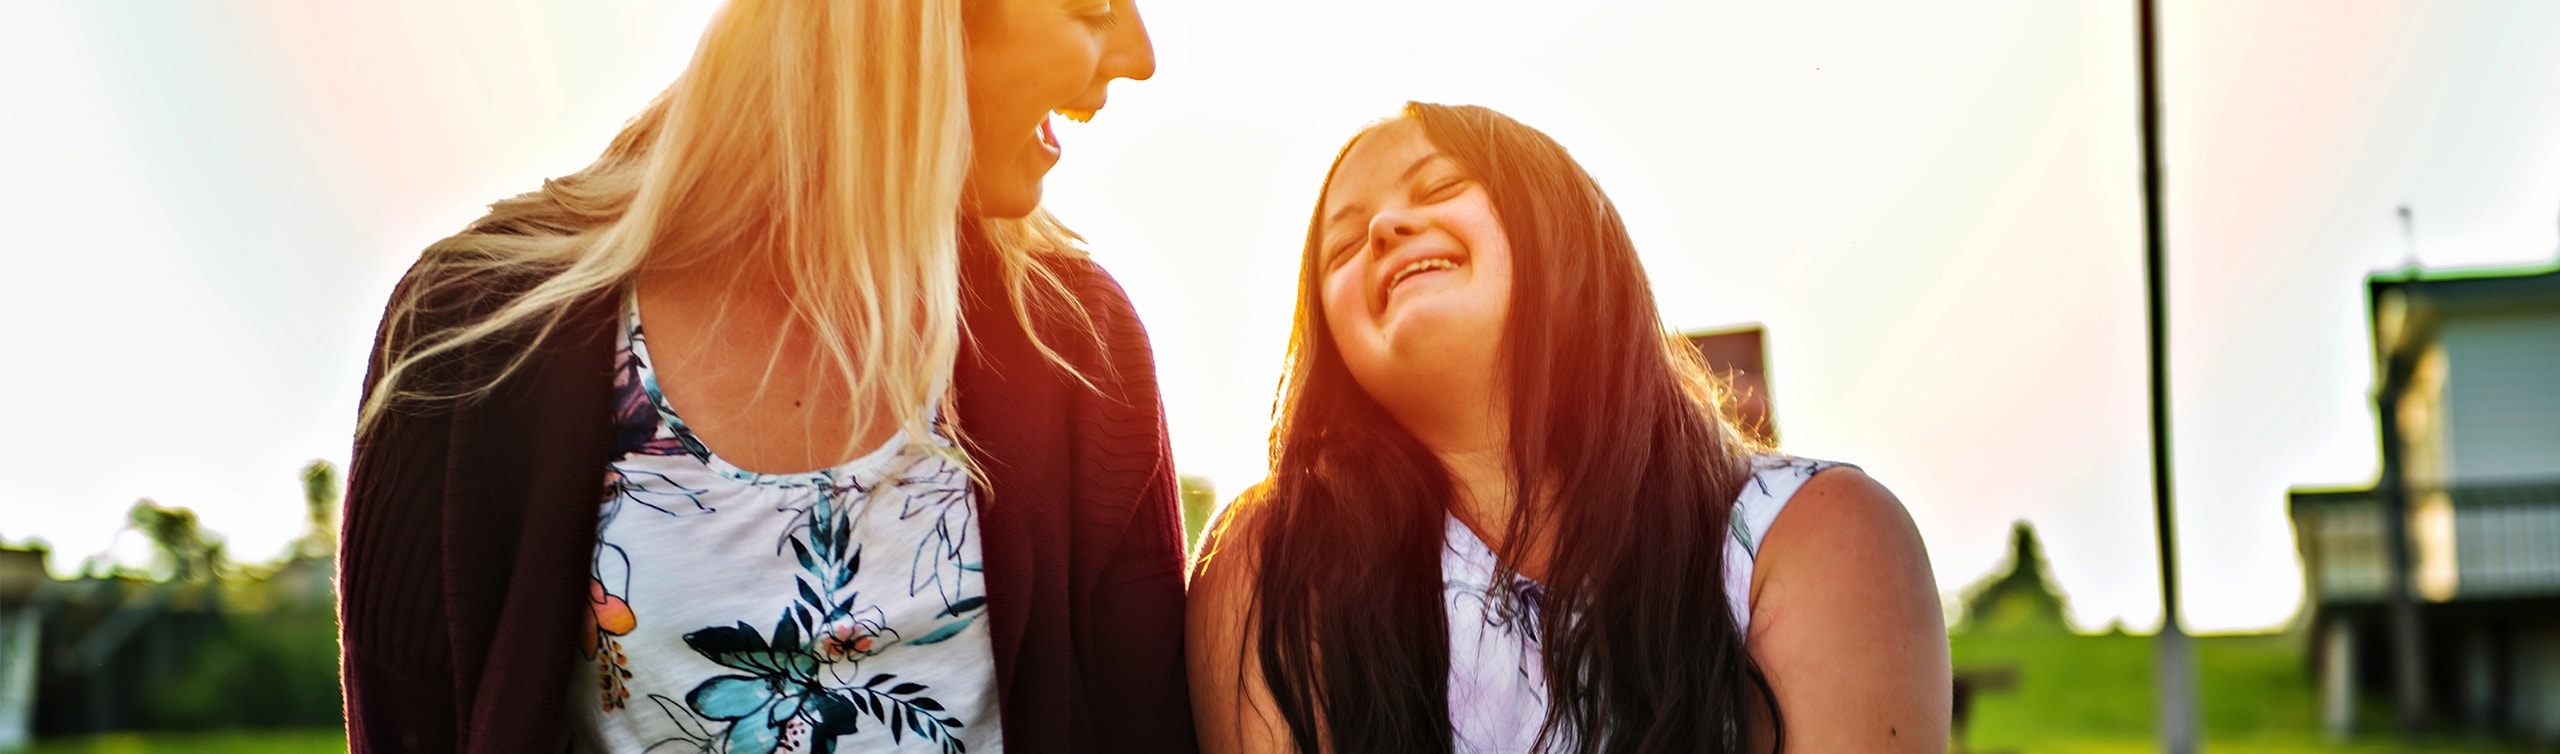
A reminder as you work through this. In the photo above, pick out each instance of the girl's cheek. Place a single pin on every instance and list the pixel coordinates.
(1341, 293)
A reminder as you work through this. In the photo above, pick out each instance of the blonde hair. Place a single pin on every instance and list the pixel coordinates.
(832, 137)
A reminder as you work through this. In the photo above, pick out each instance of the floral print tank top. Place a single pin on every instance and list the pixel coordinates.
(1497, 687)
(744, 612)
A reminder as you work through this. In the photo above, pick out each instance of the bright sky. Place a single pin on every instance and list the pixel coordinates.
(1933, 208)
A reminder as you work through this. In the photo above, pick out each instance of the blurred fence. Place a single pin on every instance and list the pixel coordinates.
(2481, 644)
(116, 653)
(2468, 542)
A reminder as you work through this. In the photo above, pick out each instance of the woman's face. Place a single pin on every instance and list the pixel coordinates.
(1416, 278)
(1030, 57)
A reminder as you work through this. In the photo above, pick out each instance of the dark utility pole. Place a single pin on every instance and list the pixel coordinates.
(2399, 364)
(2176, 663)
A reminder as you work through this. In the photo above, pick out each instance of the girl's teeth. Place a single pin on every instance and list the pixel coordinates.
(1420, 267)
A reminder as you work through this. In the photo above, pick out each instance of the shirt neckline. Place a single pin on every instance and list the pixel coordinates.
(835, 475)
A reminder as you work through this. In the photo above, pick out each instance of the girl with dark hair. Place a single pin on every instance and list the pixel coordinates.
(1506, 515)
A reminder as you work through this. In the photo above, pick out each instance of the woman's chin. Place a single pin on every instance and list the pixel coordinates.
(1009, 203)
(1016, 193)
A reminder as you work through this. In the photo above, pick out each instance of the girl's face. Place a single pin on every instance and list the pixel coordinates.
(1416, 278)
(1026, 59)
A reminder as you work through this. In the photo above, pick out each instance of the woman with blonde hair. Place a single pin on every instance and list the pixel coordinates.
(790, 424)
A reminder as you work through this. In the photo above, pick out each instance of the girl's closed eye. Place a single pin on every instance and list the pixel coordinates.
(1342, 250)
(1443, 190)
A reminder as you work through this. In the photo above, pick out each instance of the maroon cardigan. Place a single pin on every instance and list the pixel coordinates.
(470, 526)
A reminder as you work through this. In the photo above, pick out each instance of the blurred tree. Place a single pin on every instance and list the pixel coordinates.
(184, 549)
(1199, 499)
(2016, 600)
(320, 493)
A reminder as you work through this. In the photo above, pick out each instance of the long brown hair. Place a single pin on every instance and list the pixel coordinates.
(1640, 649)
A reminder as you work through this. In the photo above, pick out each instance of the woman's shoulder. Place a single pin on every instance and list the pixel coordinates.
(1088, 284)
(1088, 318)
(450, 287)
(446, 292)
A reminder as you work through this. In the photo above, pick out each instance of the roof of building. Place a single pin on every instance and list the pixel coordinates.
(2537, 283)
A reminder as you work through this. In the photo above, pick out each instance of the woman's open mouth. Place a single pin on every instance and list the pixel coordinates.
(1047, 136)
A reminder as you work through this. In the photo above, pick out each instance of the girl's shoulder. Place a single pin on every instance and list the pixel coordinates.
(1775, 480)
(1796, 511)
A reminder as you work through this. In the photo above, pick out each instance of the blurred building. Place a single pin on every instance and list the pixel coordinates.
(22, 577)
(2438, 587)
(1739, 357)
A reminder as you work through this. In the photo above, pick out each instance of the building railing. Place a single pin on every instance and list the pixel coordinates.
(2467, 542)
(2507, 539)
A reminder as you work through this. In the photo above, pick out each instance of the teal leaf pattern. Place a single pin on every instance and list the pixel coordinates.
(787, 675)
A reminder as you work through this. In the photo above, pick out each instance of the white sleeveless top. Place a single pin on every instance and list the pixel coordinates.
(1497, 687)
(839, 609)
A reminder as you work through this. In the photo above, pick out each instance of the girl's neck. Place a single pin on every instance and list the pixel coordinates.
(1483, 494)
(1480, 487)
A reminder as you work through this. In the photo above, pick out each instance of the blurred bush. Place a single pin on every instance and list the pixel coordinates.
(271, 669)
(196, 642)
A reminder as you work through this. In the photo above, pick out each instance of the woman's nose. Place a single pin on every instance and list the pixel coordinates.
(1131, 54)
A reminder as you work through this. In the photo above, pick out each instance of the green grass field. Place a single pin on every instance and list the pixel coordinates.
(2094, 694)
(263, 742)
(2075, 695)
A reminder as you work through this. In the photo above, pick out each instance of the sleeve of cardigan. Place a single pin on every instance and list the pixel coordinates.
(1136, 671)
(394, 670)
